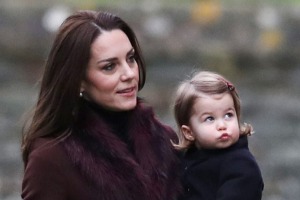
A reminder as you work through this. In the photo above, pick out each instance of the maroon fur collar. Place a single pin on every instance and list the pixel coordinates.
(146, 170)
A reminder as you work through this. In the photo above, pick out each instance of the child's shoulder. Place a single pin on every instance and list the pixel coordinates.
(240, 157)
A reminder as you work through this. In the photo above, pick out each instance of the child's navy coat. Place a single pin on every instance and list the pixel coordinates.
(222, 174)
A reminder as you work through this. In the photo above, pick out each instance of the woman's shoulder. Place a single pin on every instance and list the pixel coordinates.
(45, 145)
(46, 171)
(47, 151)
(146, 112)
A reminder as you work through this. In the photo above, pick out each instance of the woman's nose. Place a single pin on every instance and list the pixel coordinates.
(127, 72)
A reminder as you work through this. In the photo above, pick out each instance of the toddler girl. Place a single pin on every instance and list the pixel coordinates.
(217, 164)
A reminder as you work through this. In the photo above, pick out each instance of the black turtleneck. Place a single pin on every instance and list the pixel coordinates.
(116, 120)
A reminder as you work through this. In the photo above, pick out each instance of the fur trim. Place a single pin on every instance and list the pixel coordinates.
(139, 170)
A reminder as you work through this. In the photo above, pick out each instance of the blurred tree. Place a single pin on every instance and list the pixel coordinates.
(206, 11)
(271, 40)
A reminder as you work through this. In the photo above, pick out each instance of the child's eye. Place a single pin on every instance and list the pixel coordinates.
(209, 119)
(229, 115)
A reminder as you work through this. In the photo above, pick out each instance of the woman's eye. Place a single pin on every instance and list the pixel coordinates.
(131, 58)
(108, 67)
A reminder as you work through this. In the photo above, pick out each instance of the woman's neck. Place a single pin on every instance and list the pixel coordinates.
(116, 120)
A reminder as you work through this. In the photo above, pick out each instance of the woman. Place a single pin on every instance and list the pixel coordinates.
(91, 137)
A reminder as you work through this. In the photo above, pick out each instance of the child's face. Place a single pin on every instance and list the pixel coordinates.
(214, 122)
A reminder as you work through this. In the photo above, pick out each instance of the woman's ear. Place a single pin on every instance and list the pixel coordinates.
(187, 132)
(82, 86)
(82, 89)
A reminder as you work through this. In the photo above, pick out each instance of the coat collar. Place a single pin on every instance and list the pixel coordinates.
(202, 154)
(137, 169)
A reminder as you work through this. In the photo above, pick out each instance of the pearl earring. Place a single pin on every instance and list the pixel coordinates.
(80, 94)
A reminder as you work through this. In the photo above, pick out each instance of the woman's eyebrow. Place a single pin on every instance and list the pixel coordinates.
(131, 51)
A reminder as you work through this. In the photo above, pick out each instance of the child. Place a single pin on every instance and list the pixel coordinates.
(217, 164)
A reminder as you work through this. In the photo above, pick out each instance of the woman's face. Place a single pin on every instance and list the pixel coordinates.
(112, 74)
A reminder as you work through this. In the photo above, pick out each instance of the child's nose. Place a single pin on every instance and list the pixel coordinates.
(221, 125)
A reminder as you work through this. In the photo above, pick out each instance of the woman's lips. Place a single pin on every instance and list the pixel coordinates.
(128, 91)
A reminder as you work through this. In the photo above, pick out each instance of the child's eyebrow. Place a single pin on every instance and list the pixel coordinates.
(231, 109)
(205, 113)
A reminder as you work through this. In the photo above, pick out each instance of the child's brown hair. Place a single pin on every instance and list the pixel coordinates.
(188, 91)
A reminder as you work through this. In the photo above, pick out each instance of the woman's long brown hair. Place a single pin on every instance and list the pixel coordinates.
(56, 109)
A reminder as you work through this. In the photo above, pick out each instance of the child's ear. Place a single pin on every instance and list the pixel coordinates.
(187, 132)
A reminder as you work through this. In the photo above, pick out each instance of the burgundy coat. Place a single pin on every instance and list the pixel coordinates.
(94, 163)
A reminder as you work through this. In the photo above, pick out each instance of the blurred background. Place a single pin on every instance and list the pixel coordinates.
(254, 43)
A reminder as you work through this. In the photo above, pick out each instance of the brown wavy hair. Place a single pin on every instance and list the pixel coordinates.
(188, 91)
(56, 109)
